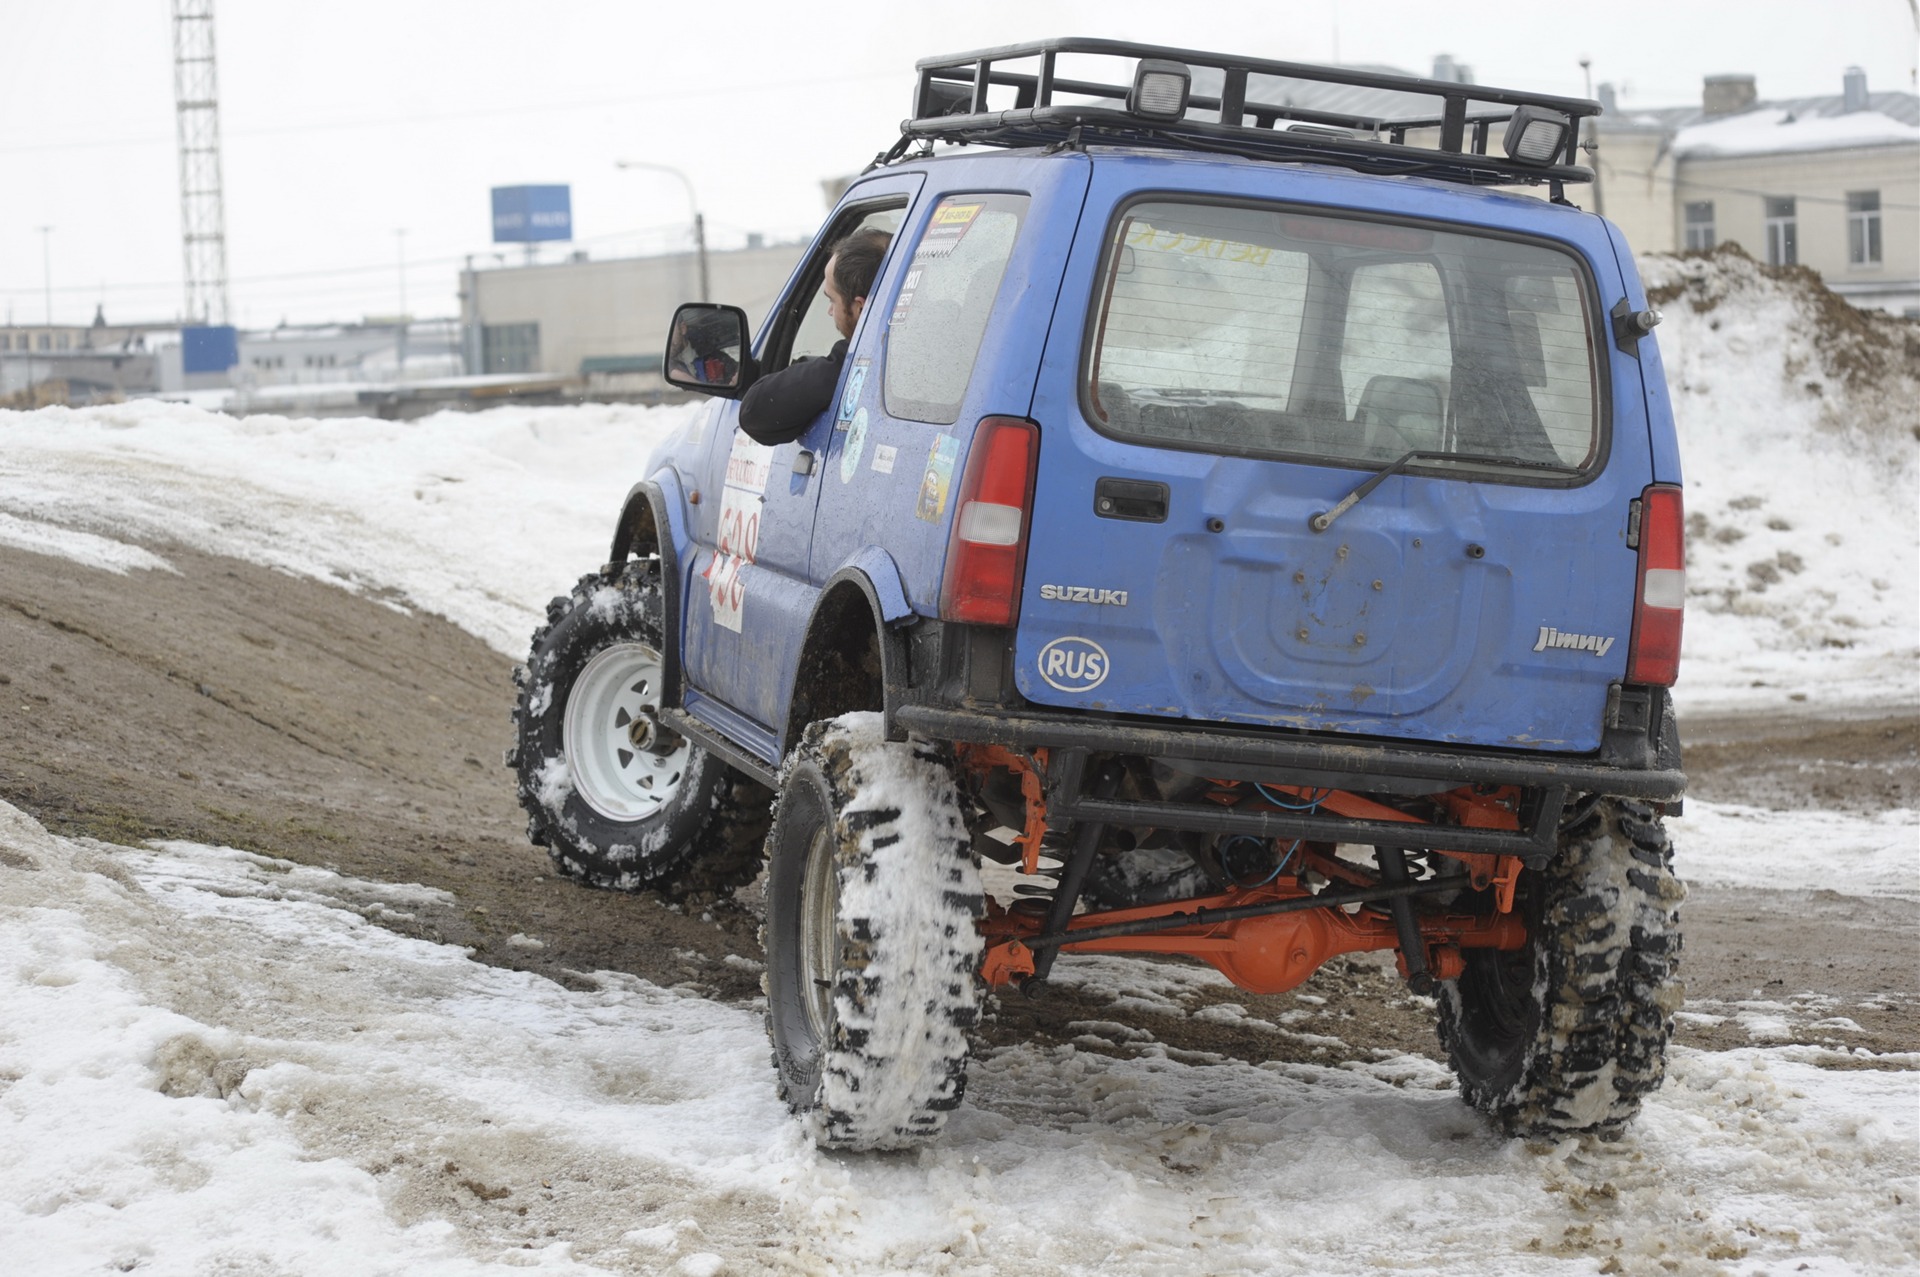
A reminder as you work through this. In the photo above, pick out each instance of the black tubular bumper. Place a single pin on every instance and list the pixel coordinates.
(1232, 748)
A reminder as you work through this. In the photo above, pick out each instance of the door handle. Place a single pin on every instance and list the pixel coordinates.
(802, 461)
(1135, 500)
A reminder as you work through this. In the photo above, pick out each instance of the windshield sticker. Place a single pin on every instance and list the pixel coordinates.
(1142, 235)
(1073, 664)
(748, 467)
(856, 443)
(907, 287)
(950, 222)
(883, 458)
(937, 481)
(850, 397)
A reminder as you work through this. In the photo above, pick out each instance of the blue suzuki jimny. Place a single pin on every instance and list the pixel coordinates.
(1244, 510)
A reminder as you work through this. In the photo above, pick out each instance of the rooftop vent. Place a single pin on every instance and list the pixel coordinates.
(1727, 94)
(1853, 91)
(1445, 68)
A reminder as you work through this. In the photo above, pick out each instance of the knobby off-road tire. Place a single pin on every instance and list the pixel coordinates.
(872, 896)
(617, 801)
(1569, 1034)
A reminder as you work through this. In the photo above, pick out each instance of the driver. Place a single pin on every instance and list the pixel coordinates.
(780, 406)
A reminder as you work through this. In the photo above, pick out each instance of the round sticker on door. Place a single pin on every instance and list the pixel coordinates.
(856, 444)
(1074, 664)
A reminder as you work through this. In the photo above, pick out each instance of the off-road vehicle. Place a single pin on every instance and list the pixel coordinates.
(1250, 512)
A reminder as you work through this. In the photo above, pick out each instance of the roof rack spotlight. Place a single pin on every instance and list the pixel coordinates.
(1535, 135)
(1159, 89)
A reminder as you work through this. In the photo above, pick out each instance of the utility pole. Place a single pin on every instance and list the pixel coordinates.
(46, 269)
(203, 219)
(1593, 147)
(699, 222)
(400, 237)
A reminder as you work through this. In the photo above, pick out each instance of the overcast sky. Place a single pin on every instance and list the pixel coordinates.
(346, 122)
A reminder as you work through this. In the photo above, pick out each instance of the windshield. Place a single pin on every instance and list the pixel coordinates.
(1266, 331)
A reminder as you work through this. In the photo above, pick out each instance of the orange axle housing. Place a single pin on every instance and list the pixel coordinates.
(1271, 953)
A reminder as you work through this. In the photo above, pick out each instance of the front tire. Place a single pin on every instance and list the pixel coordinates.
(617, 798)
(872, 948)
(1569, 1034)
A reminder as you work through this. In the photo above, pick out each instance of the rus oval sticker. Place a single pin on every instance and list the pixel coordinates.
(1074, 664)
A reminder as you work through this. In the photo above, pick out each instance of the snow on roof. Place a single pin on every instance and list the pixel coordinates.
(1771, 130)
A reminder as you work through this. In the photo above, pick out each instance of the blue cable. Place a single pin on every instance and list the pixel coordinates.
(1290, 804)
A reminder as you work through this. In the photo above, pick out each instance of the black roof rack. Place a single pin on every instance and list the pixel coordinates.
(1245, 109)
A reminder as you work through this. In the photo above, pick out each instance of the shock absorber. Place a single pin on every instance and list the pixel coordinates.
(1413, 949)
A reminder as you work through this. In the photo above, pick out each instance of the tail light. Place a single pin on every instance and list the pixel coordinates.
(987, 551)
(1661, 591)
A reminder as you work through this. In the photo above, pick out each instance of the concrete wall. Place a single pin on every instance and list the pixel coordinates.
(621, 307)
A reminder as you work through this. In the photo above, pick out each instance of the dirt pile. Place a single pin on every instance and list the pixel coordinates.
(1865, 362)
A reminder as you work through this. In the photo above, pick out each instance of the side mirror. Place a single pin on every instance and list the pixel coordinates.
(707, 350)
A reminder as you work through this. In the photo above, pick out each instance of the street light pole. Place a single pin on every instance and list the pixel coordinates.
(699, 221)
(400, 239)
(46, 268)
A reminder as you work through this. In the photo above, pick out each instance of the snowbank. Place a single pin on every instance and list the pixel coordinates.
(213, 1062)
(1800, 442)
(479, 517)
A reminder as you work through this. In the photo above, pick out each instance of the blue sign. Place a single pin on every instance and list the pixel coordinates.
(529, 214)
(214, 349)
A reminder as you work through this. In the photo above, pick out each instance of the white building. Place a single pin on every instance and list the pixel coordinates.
(605, 322)
(1831, 183)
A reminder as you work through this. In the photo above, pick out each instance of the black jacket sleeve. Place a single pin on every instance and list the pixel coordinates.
(780, 406)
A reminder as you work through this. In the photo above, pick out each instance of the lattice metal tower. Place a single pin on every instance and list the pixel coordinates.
(203, 219)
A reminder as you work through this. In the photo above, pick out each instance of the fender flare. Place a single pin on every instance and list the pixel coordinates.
(655, 506)
(870, 571)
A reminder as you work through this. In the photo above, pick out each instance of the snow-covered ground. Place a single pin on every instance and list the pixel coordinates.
(211, 1062)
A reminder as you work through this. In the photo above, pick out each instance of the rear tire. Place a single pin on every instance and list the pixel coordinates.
(617, 800)
(1569, 1034)
(872, 949)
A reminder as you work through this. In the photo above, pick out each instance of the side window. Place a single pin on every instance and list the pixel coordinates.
(814, 334)
(940, 315)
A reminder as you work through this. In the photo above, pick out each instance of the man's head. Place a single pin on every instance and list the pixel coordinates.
(850, 271)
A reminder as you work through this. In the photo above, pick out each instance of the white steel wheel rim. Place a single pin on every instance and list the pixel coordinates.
(623, 764)
(819, 933)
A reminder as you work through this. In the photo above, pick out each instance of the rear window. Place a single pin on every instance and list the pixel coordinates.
(1268, 331)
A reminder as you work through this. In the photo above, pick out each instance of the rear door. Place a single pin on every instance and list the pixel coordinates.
(1241, 348)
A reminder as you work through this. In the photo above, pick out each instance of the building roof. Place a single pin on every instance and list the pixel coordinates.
(1781, 124)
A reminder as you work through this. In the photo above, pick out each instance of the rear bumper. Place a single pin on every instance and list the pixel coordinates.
(1358, 765)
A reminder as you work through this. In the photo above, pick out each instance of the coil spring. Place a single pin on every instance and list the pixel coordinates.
(1036, 890)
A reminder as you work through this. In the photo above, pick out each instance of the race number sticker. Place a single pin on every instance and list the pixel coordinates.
(748, 467)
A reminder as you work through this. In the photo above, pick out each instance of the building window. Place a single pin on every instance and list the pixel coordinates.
(1699, 229)
(60, 343)
(1863, 228)
(1783, 238)
(46, 341)
(6, 342)
(510, 347)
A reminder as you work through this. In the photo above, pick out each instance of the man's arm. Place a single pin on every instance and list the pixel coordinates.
(780, 406)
